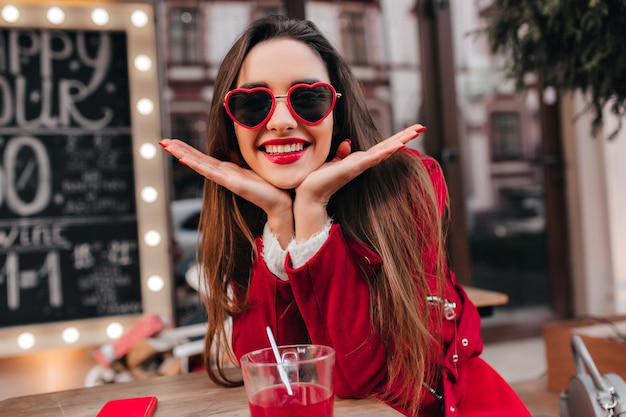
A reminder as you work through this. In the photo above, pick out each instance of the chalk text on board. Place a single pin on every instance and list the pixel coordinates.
(63, 94)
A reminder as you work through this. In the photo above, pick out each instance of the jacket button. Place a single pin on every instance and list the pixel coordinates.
(452, 409)
(465, 342)
(455, 358)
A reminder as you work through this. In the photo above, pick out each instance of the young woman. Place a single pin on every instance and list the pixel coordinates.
(315, 225)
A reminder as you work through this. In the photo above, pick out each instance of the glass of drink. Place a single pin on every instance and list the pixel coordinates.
(301, 385)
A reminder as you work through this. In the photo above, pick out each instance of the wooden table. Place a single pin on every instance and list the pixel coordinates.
(188, 395)
(485, 300)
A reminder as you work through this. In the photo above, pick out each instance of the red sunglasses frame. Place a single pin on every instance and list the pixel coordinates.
(274, 97)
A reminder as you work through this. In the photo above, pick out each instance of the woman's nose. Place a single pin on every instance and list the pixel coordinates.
(281, 119)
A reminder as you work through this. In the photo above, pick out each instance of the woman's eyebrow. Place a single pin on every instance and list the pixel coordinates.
(306, 81)
(253, 84)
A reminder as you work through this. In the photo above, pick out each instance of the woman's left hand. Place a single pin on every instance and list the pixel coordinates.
(313, 194)
(322, 183)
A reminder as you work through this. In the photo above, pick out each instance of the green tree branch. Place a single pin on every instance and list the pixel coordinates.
(576, 45)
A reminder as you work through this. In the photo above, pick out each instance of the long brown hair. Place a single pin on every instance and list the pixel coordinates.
(379, 208)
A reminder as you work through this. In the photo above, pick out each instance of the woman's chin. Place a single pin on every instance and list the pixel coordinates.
(286, 183)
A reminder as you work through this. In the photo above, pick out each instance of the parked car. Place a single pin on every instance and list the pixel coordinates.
(521, 212)
(185, 218)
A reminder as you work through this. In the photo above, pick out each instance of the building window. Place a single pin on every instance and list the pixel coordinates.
(184, 37)
(262, 11)
(506, 128)
(190, 128)
(353, 26)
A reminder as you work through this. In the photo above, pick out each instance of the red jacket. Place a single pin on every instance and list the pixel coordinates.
(326, 301)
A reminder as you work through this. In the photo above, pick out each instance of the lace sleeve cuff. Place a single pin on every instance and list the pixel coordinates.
(300, 253)
(273, 254)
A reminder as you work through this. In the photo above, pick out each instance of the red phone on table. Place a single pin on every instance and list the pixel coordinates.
(129, 407)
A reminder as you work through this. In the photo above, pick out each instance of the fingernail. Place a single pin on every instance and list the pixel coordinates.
(167, 150)
(182, 162)
(163, 145)
(421, 129)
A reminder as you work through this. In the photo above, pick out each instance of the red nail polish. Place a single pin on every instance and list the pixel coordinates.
(421, 129)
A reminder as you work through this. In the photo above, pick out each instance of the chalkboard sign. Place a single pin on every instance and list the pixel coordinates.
(85, 246)
(68, 225)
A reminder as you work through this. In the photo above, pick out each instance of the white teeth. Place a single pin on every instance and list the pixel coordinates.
(279, 149)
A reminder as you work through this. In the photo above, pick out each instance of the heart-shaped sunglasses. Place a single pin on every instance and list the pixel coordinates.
(308, 103)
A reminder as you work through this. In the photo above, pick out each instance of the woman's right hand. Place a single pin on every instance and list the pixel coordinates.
(244, 182)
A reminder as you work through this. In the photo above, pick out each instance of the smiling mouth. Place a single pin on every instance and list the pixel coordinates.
(284, 149)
